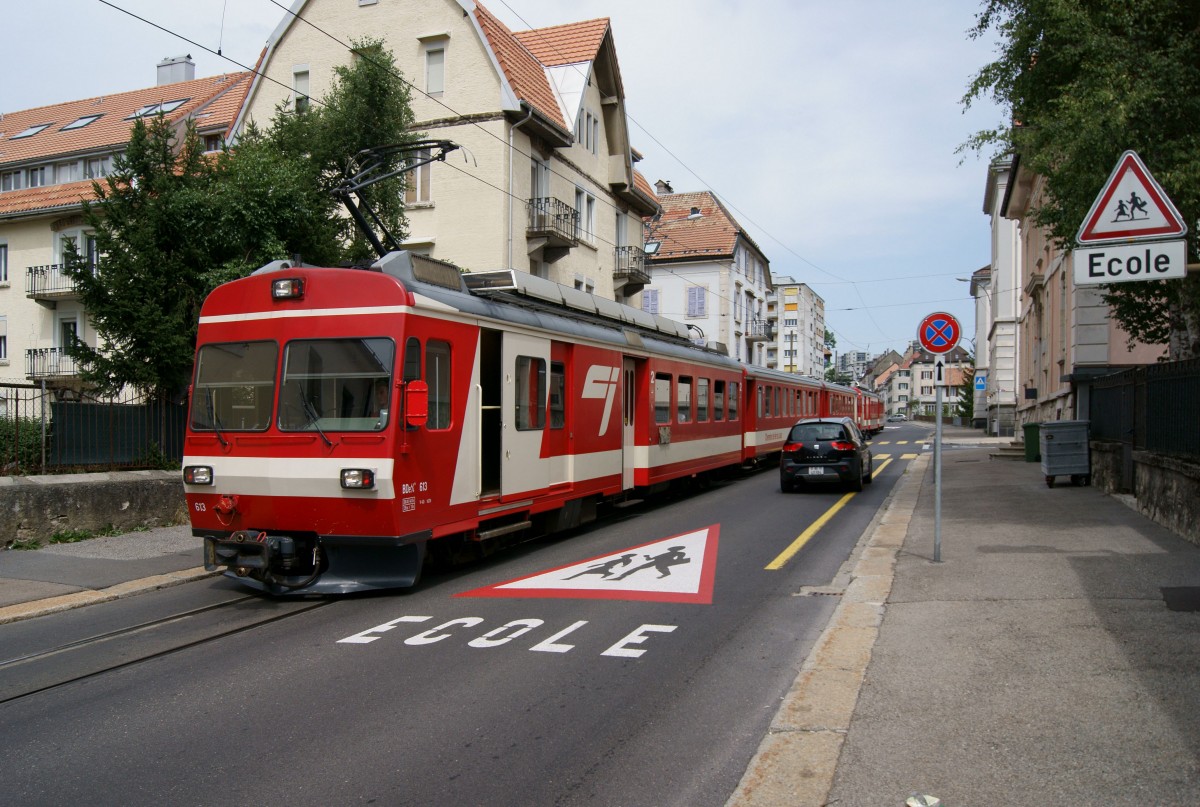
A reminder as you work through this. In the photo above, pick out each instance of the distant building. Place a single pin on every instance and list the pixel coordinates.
(798, 313)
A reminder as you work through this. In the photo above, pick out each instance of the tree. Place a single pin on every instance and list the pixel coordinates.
(1084, 82)
(966, 391)
(171, 223)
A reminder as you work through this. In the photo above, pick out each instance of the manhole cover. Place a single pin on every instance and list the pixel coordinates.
(1182, 598)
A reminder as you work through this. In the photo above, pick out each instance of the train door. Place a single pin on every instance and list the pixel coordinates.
(629, 418)
(525, 368)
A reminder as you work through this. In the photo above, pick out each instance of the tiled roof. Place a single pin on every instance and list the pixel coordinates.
(642, 185)
(713, 233)
(565, 44)
(526, 75)
(49, 197)
(112, 129)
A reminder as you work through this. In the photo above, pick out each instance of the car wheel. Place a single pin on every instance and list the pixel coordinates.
(786, 485)
(856, 484)
(870, 477)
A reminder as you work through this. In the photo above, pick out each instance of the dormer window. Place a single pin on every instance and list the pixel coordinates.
(31, 131)
(79, 123)
(695, 213)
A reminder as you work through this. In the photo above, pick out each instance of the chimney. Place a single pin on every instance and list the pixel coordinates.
(663, 187)
(175, 69)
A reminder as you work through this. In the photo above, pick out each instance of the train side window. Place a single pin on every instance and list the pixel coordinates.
(718, 400)
(778, 400)
(702, 400)
(558, 397)
(734, 391)
(437, 368)
(412, 359)
(683, 399)
(531, 393)
(662, 398)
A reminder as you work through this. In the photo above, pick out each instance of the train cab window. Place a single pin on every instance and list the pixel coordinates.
(337, 385)
(734, 391)
(437, 373)
(412, 359)
(531, 393)
(234, 387)
(662, 398)
(683, 400)
(558, 403)
(702, 400)
(718, 400)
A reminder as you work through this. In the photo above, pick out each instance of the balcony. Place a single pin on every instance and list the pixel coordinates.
(759, 330)
(49, 283)
(629, 270)
(554, 223)
(49, 363)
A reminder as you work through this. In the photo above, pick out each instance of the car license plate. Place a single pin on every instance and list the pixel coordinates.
(816, 471)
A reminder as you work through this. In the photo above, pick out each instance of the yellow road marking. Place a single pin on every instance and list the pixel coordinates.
(816, 526)
(909, 456)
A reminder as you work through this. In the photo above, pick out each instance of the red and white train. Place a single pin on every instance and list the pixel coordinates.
(344, 421)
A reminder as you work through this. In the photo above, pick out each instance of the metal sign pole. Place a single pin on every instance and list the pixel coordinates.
(937, 481)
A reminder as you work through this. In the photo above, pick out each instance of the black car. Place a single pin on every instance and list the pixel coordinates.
(825, 450)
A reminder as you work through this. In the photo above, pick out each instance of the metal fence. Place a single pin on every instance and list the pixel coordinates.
(49, 430)
(1153, 408)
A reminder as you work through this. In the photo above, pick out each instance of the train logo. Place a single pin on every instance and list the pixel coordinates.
(601, 382)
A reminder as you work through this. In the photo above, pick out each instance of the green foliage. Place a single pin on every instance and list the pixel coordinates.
(20, 445)
(71, 536)
(966, 392)
(1084, 82)
(25, 544)
(172, 223)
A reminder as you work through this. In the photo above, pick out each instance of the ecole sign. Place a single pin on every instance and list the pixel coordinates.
(1124, 236)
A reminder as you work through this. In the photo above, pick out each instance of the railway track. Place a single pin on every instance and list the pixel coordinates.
(38, 671)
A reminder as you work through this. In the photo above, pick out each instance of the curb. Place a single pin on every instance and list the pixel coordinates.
(78, 599)
(796, 761)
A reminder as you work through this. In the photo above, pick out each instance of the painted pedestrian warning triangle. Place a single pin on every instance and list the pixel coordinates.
(676, 569)
(1131, 207)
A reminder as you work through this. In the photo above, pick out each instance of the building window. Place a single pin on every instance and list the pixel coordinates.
(11, 181)
(96, 167)
(213, 142)
(4, 339)
(585, 206)
(435, 69)
(4, 264)
(36, 177)
(650, 301)
(416, 181)
(66, 172)
(585, 284)
(31, 131)
(300, 90)
(697, 301)
(79, 123)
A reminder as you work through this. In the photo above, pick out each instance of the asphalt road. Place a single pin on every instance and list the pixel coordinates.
(496, 684)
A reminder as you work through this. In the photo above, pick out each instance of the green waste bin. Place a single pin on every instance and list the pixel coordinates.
(1032, 447)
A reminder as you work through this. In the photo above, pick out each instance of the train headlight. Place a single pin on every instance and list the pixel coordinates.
(358, 478)
(290, 288)
(198, 475)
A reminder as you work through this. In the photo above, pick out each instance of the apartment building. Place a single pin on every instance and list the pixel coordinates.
(798, 316)
(1065, 334)
(544, 181)
(49, 158)
(707, 272)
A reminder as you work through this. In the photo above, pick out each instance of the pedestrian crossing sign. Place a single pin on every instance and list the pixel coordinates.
(1131, 206)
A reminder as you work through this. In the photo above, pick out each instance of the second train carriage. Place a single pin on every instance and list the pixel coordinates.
(343, 421)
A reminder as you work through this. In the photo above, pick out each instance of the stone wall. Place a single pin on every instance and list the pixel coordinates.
(1167, 489)
(34, 508)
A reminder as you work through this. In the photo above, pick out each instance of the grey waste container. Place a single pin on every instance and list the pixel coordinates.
(1064, 449)
(1031, 442)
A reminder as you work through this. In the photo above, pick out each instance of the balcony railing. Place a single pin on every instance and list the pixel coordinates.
(49, 362)
(49, 283)
(554, 220)
(759, 330)
(630, 265)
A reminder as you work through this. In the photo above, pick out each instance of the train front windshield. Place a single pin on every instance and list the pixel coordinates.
(326, 385)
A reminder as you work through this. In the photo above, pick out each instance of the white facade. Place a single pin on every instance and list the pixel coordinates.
(996, 343)
(527, 131)
(799, 316)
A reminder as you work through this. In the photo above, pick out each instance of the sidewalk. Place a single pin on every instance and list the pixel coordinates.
(1038, 663)
(62, 576)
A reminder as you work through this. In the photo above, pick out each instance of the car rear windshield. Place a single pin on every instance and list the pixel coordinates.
(817, 433)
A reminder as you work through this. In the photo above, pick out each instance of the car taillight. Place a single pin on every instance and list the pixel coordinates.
(789, 447)
(842, 445)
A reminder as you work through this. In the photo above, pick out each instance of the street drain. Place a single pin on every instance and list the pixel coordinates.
(1181, 598)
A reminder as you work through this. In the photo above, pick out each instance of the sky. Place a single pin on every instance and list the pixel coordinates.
(829, 129)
